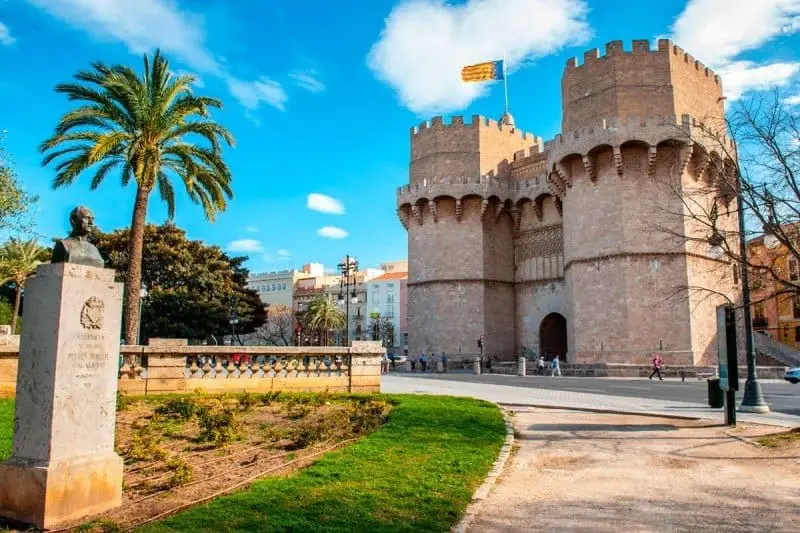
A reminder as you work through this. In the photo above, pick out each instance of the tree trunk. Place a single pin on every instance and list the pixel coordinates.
(15, 314)
(133, 279)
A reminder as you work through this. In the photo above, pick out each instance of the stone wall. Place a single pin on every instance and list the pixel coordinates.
(640, 82)
(164, 369)
(589, 225)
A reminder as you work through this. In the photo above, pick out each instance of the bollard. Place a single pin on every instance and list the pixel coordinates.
(521, 367)
(476, 366)
(439, 367)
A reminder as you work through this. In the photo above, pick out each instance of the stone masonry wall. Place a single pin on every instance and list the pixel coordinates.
(504, 229)
(640, 82)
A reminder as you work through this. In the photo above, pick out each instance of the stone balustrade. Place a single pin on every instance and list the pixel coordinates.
(164, 368)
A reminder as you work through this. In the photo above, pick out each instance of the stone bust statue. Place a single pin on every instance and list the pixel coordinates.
(76, 248)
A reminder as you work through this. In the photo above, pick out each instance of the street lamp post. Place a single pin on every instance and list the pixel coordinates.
(234, 319)
(348, 268)
(753, 400)
(142, 295)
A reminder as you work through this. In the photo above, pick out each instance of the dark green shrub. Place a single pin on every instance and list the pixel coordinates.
(218, 427)
(183, 408)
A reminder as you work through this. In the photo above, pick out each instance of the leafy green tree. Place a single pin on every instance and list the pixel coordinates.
(189, 285)
(18, 260)
(145, 126)
(6, 312)
(14, 202)
(323, 316)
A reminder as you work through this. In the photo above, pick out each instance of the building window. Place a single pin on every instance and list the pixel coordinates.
(759, 316)
(389, 285)
(284, 286)
(263, 288)
(796, 306)
(794, 270)
(735, 274)
(268, 288)
(797, 334)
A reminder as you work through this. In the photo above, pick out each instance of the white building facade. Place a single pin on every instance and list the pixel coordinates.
(385, 300)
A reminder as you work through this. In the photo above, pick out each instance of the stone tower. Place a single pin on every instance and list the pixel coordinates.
(572, 247)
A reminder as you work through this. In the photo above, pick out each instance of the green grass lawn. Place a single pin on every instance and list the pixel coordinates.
(416, 473)
(6, 427)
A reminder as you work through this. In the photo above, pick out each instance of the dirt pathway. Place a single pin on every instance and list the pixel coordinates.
(577, 471)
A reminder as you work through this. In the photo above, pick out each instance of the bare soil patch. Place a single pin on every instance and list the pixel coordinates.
(577, 471)
(180, 451)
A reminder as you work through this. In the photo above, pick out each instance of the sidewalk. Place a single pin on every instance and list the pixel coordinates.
(578, 471)
(574, 400)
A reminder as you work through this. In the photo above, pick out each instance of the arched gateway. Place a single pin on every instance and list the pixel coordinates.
(553, 336)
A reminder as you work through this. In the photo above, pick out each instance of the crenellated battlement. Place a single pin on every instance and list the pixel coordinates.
(651, 130)
(458, 124)
(642, 46)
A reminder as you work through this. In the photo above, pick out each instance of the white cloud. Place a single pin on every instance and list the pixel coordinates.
(793, 100)
(332, 232)
(283, 253)
(246, 245)
(144, 25)
(324, 204)
(425, 43)
(742, 76)
(717, 31)
(308, 80)
(141, 26)
(251, 229)
(252, 93)
(5, 35)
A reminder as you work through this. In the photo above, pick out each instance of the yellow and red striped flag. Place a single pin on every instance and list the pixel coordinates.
(490, 70)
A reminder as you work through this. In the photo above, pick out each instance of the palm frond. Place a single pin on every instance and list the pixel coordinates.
(142, 123)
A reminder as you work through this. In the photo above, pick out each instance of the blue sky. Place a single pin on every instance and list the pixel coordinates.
(320, 95)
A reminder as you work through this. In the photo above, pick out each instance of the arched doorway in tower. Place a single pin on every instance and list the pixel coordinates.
(553, 336)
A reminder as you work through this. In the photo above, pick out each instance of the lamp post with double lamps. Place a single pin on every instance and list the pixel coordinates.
(348, 268)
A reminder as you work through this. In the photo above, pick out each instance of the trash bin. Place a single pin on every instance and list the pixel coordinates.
(716, 398)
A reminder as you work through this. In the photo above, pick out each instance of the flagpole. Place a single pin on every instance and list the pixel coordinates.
(505, 80)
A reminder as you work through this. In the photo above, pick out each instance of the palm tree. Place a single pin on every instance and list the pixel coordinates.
(18, 260)
(322, 315)
(145, 126)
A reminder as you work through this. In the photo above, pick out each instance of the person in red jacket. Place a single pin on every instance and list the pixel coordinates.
(657, 364)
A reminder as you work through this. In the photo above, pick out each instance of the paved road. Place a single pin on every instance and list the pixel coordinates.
(782, 397)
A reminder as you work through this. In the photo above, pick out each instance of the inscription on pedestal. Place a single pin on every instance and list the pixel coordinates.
(88, 357)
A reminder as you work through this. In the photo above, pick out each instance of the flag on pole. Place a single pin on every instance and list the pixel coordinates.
(490, 70)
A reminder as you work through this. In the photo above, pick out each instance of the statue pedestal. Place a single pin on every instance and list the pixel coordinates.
(63, 465)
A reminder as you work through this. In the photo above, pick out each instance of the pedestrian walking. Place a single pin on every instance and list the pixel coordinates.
(540, 365)
(413, 363)
(657, 364)
(444, 362)
(556, 366)
(423, 362)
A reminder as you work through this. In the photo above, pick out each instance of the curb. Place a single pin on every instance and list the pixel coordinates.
(497, 468)
(657, 414)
